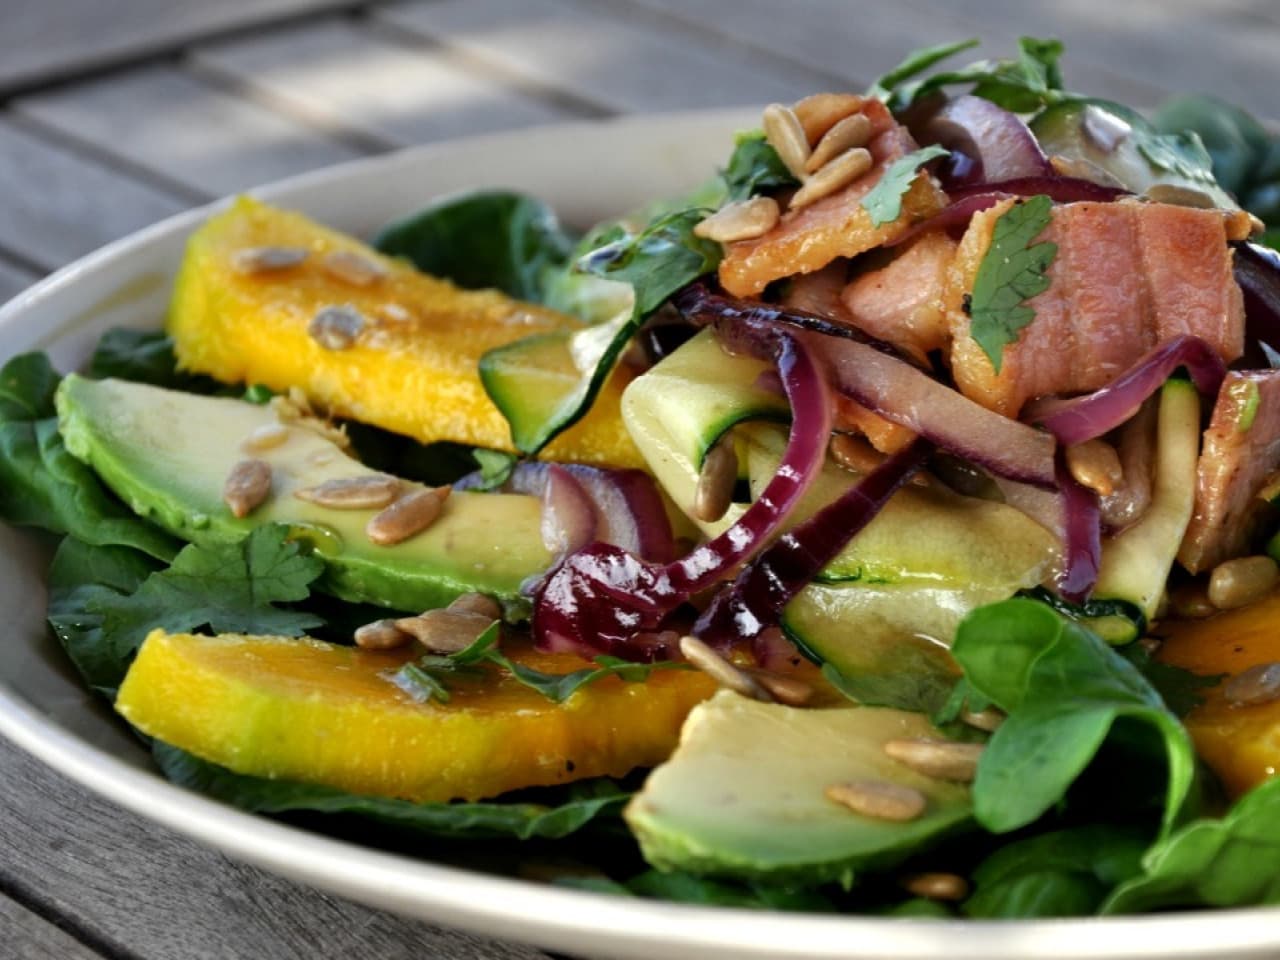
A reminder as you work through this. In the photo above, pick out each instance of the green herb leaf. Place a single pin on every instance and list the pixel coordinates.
(495, 467)
(566, 811)
(146, 356)
(44, 485)
(1023, 85)
(915, 63)
(559, 687)
(1232, 862)
(1067, 873)
(1012, 272)
(754, 167)
(420, 684)
(490, 238)
(1064, 690)
(229, 587)
(884, 200)
(1178, 688)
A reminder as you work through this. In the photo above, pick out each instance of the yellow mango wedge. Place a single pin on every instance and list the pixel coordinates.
(254, 280)
(1239, 742)
(306, 710)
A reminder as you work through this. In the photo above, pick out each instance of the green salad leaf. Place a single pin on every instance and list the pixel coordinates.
(884, 200)
(566, 811)
(1022, 85)
(488, 238)
(754, 167)
(228, 588)
(1012, 272)
(915, 63)
(1066, 692)
(45, 486)
(147, 356)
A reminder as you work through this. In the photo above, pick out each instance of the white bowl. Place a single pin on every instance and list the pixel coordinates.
(586, 171)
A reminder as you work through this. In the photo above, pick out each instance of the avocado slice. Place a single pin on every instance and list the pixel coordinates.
(744, 793)
(167, 454)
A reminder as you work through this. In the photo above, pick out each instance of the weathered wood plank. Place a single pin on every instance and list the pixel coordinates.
(186, 131)
(342, 75)
(153, 895)
(588, 50)
(56, 37)
(847, 42)
(13, 280)
(56, 205)
(27, 937)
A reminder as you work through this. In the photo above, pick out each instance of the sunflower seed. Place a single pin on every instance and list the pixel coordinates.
(745, 220)
(352, 493)
(353, 268)
(852, 131)
(256, 260)
(1239, 582)
(445, 631)
(336, 328)
(381, 635)
(791, 691)
(266, 437)
(406, 517)
(1096, 465)
(936, 886)
(1259, 684)
(721, 670)
(716, 480)
(1190, 601)
(989, 719)
(878, 799)
(836, 175)
(477, 603)
(940, 759)
(247, 487)
(785, 134)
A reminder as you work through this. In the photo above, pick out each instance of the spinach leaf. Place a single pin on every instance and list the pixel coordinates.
(754, 167)
(229, 587)
(1012, 272)
(570, 808)
(1064, 689)
(42, 485)
(146, 356)
(488, 238)
(1231, 862)
(84, 576)
(884, 201)
(1178, 688)
(1066, 873)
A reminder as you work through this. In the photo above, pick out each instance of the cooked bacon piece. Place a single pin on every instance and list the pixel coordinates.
(808, 239)
(1127, 277)
(902, 303)
(819, 293)
(1241, 449)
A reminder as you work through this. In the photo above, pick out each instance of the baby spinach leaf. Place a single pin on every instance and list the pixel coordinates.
(754, 167)
(42, 485)
(1012, 272)
(1231, 862)
(884, 200)
(1065, 873)
(1178, 688)
(228, 588)
(569, 810)
(147, 356)
(1063, 689)
(490, 238)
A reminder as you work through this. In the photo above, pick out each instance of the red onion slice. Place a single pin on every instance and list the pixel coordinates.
(1082, 543)
(606, 599)
(1079, 419)
(568, 515)
(1257, 270)
(1000, 145)
(1056, 188)
(756, 598)
(884, 383)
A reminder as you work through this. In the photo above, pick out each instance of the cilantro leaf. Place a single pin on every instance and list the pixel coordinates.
(884, 200)
(915, 63)
(1023, 85)
(1012, 272)
(495, 467)
(227, 587)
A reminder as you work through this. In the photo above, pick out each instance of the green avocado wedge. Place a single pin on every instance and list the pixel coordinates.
(167, 455)
(744, 793)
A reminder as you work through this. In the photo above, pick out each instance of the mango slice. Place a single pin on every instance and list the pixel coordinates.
(407, 362)
(306, 710)
(1240, 743)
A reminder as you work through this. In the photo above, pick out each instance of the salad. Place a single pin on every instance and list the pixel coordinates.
(886, 527)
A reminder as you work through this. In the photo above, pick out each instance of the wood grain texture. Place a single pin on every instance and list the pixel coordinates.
(24, 936)
(56, 205)
(150, 894)
(623, 63)
(184, 130)
(54, 37)
(343, 76)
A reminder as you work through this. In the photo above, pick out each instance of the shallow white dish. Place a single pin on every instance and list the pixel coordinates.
(586, 172)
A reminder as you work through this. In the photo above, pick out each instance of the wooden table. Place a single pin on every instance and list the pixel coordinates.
(115, 114)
